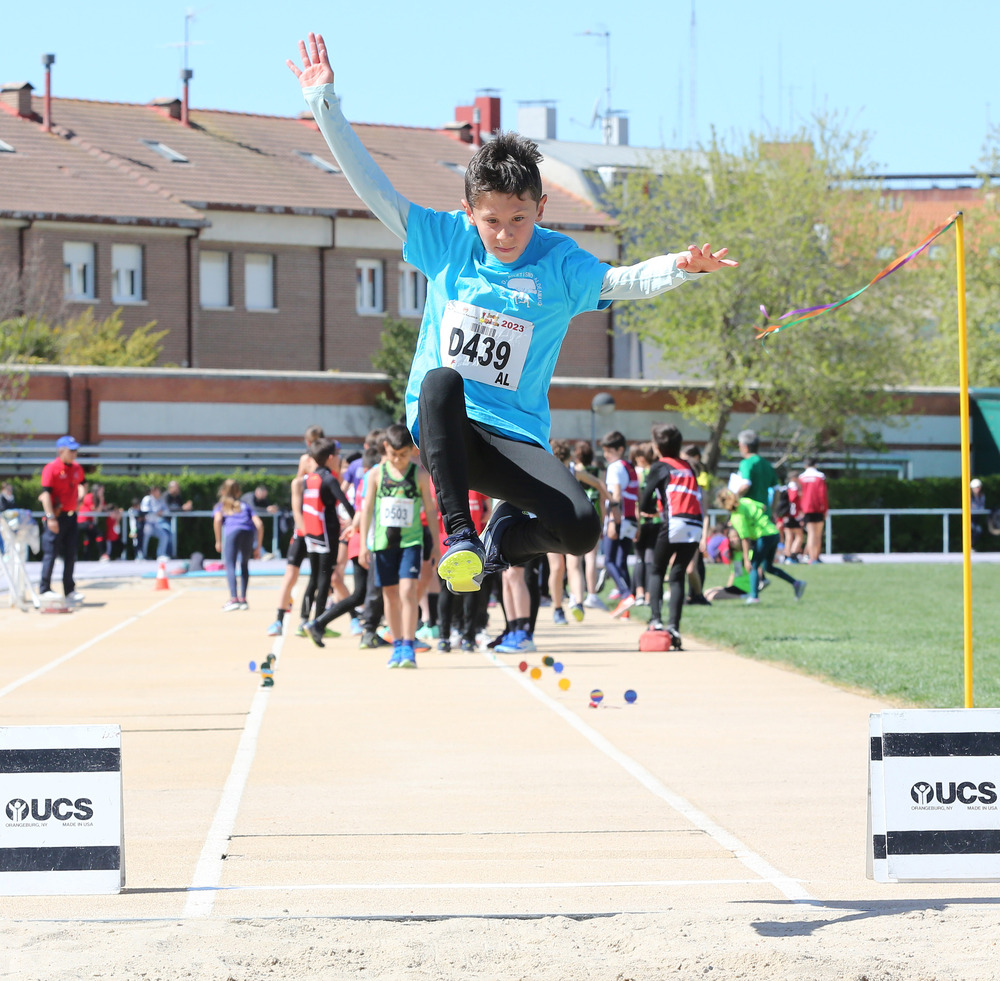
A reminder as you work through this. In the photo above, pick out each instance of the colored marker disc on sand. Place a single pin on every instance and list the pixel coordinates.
(536, 673)
(523, 666)
(630, 696)
(564, 684)
(597, 696)
(253, 664)
(548, 660)
(558, 667)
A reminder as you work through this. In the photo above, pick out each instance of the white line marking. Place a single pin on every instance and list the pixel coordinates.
(394, 886)
(83, 647)
(789, 887)
(208, 871)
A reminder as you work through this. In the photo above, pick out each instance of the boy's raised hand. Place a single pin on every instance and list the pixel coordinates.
(316, 68)
(704, 260)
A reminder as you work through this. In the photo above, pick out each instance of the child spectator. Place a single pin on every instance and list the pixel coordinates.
(813, 504)
(393, 494)
(622, 524)
(238, 536)
(316, 629)
(759, 538)
(321, 494)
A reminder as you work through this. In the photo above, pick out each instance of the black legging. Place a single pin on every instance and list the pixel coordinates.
(321, 566)
(461, 455)
(682, 553)
(350, 603)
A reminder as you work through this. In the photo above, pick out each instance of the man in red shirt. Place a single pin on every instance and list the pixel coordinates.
(61, 480)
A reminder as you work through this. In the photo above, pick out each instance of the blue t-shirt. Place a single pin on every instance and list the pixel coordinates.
(534, 299)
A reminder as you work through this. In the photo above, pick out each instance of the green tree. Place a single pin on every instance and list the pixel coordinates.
(394, 357)
(86, 340)
(806, 231)
(982, 290)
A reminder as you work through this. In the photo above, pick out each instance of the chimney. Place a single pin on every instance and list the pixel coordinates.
(536, 119)
(48, 60)
(487, 106)
(186, 75)
(168, 106)
(16, 96)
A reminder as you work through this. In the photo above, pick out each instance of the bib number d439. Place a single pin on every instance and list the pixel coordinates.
(483, 345)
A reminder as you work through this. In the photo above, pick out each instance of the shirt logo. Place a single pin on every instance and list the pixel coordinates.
(521, 289)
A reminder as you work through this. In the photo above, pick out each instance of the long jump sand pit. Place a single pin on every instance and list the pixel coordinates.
(464, 820)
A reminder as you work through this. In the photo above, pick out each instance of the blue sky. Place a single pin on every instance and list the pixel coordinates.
(919, 80)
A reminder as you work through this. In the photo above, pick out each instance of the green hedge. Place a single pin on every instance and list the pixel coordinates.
(194, 534)
(851, 534)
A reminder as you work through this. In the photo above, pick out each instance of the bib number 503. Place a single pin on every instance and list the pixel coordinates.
(480, 348)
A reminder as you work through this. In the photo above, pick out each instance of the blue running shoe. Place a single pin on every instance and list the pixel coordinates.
(407, 656)
(397, 653)
(517, 642)
(356, 627)
(275, 629)
(463, 562)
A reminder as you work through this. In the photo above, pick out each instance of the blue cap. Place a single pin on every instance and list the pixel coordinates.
(67, 443)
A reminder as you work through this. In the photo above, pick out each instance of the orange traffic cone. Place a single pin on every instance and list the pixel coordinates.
(161, 574)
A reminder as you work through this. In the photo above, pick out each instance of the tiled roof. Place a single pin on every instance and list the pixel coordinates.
(47, 176)
(246, 161)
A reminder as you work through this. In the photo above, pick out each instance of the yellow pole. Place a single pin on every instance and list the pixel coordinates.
(963, 372)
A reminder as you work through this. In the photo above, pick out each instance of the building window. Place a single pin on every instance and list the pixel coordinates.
(78, 270)
(214, 275)
(126, 274)
(412, 291)
(259, 281)
(369, 292)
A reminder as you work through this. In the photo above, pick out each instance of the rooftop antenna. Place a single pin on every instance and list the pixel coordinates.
(692, 84)
(187, 42)
(606, 36)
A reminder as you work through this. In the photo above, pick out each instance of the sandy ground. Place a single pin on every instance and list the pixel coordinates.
(464, 820)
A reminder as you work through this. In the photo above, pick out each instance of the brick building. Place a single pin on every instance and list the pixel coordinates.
(238, 233)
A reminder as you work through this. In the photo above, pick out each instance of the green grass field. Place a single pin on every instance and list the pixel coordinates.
(891, 629)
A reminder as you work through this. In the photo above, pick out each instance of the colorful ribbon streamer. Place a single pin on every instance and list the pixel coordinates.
(806, 312)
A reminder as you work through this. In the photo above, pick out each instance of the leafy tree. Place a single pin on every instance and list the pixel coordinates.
(982, 290)
(394, 357)
(80, 340)
(806, 231)
(85, 340)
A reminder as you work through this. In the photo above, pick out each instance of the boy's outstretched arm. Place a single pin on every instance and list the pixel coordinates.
(663, 272)
(363, 174)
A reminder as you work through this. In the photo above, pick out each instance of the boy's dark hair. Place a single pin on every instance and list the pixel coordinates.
(583, 452)
(398, 436)
(613, 440)
(507, 164)
(370, 457)
(561, 449)
(810, 461)
(314, 433)
(322, 449)
(667, 440)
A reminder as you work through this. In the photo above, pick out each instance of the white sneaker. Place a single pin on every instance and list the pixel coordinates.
(50, 594)
(75, 597)
(230, 605)
(594, 602)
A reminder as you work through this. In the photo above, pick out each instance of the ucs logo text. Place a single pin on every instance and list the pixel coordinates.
(62, 809)
(965, 792)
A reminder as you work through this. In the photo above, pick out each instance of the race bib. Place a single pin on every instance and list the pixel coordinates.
(396, 512)
(483, 345)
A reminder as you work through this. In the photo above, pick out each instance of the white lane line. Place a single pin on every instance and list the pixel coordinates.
(432, 886)
(789, 887)
(208, 871)
(83, 647)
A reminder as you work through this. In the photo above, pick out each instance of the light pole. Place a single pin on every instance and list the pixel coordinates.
(603, 404)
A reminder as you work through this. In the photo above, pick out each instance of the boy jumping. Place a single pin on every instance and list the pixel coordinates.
(501, 291)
